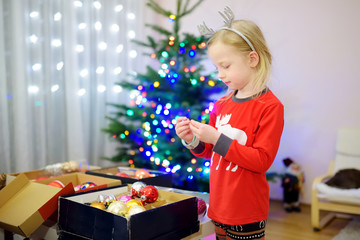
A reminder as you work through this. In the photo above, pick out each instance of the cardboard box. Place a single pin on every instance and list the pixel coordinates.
(173, 216)
(157, 178)
(79, 178)
(33, 174)
(25, 205)
(40, 173)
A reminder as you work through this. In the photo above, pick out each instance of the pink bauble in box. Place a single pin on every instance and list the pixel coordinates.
(125, 198)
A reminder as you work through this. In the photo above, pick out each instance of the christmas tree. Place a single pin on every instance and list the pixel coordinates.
(178, 86)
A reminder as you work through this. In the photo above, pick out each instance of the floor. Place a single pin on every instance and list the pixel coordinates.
(296, 226)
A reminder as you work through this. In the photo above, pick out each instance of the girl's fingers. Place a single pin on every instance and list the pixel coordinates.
(195, 123)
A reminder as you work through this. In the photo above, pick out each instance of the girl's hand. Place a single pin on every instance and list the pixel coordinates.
(182, 129)
(204, 132)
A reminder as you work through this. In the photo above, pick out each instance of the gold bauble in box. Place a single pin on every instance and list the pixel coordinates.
(98, 205)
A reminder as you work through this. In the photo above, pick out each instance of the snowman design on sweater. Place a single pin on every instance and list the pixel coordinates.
(223, 126)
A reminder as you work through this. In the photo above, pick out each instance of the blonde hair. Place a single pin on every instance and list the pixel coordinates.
(253, 33)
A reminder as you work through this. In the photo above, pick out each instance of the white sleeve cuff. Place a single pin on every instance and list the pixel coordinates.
(194, 143)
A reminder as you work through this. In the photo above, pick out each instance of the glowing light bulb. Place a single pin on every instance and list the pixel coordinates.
(117, 70)
(117, 89)
(33, 89)
(119, 48)
(101, 88)
(118, 8)
(130, 112)
(59, 65)
(172, 18)
(84, 73)
(78, 4)
(79, 48)
(131, 16)
(81, 92)
(102, 46)
(114, 28)
(211, 83)
(132, 54)
(193, 82)
(82, 26)
(33, 38)
(100, 70)
(34, 14)
(97, 5)
(164, 54)
(36, 67)
(55, 88)
(98, 26)
(57, 16)
(56, 43)
(131, 34)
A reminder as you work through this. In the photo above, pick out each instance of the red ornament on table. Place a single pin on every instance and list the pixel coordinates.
(202, 208)
(142, 173)
(149, 194)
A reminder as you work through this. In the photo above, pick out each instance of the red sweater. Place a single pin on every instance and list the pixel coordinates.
(251, 131)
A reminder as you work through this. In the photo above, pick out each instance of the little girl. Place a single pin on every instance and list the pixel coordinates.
(243, 134)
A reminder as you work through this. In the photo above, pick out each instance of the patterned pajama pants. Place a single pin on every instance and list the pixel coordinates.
(247, 231)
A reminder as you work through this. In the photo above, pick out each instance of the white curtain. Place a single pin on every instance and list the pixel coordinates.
(59, 62)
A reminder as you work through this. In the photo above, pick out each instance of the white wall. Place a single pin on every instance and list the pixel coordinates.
(316, 72)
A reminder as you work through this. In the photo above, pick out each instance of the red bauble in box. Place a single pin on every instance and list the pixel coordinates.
(57, 183)
(142, 173)
(39, 178)
(202, 208)
(149, 194)
(120, 174)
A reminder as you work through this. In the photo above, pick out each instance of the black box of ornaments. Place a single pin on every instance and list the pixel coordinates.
(171, 216)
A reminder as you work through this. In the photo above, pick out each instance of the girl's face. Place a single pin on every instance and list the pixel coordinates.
(234, 68)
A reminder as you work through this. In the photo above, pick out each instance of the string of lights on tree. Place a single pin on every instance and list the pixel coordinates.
(179, 86)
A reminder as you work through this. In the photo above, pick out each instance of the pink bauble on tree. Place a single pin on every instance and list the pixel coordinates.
(149, 194)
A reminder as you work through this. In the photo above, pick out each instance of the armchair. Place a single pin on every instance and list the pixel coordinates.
(335, 202)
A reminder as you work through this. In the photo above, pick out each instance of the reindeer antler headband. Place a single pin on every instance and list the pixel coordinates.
(228, 16)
